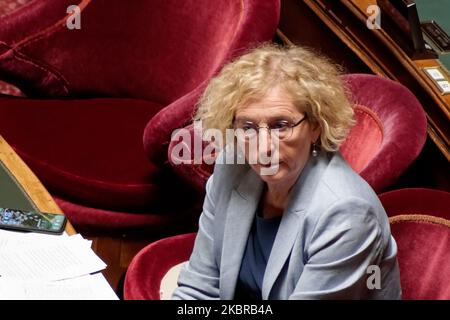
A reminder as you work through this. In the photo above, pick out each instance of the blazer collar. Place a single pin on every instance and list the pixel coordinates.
(298, 205)
(240, 214)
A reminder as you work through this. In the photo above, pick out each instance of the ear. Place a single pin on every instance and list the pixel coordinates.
(316, 130)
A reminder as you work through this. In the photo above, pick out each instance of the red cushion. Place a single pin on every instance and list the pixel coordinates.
(417, 201)
(162, 51)
(88, 150)
(8, 6)
(364, 140)
(424, 258)
(156, 221)
(196, 170)
(404, 127)
(420, 224)
(8, 89)
(157, 50)
(148, 267)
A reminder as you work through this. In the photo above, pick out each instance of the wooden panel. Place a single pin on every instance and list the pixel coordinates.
(438, 111)
(300, 25)
(346, 19)
(358, 7)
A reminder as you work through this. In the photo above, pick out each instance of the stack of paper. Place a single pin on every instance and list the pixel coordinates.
(37, 266)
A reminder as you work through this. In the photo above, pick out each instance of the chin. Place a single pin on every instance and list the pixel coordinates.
(272, 174)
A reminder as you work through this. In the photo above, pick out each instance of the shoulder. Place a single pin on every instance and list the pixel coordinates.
(348, 225)
(340, 182)
(341, 178)
(226, 176)
(344, 199)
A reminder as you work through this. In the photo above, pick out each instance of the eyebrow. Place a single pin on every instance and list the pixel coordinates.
(272, 118)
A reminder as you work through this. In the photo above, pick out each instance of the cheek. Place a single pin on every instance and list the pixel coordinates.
(296, 155)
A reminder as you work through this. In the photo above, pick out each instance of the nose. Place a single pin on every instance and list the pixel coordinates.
(265, 146)
(264, 140)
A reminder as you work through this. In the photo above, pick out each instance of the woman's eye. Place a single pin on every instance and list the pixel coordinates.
(280, 125)
(246, 128)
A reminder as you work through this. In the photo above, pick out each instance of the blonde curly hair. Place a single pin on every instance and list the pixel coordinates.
(311, 80)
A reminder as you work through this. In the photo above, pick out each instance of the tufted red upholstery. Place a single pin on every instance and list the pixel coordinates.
(420, 223)
(103, 100)
(389, 134)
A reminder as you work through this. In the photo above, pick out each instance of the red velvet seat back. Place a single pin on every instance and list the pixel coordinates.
(145, 272)
(420, 224)
(93, 154)
(364, 140)
(393, 135)
(155, 50)
(7, 6)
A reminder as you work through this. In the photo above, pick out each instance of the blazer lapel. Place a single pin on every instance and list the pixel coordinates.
(301, 195)
(240, 214)
(282, 246)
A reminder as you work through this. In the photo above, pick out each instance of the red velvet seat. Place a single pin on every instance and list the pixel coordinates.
(96, 154)
(146, 63)
(420, 223)
(389, 134)
(150, 265)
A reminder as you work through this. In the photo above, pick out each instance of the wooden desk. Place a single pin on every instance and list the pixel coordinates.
(32, 192)
(117, 252)
(374, 49)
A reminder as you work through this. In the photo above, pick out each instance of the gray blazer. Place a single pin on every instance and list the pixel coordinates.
(332, 230)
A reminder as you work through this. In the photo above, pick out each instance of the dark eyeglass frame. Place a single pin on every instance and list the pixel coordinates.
(291, 127)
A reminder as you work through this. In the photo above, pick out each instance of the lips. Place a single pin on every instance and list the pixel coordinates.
(270, 170)
(270, 166)
(265, 165)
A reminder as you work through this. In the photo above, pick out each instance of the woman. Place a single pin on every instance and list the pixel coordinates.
(305, 226)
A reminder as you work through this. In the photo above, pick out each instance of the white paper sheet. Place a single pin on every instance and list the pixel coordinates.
(15, 238)
(48, 267)
(49, 260)
(90, 287)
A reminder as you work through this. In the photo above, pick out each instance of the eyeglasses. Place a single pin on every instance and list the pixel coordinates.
(282, 128)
